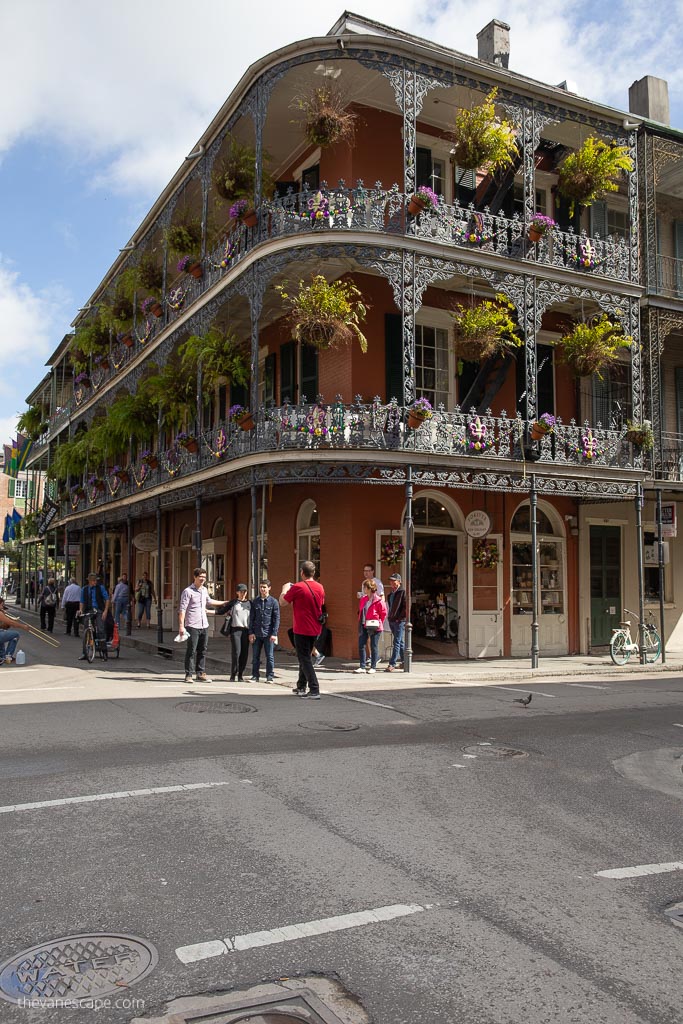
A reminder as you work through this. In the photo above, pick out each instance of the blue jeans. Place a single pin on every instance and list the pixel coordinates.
(121, 606)
(145, 610)
(269, 647)
(363, 636)
(8, 642)
(398, 647)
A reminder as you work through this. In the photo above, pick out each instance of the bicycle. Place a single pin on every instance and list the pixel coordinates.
(622, 646)
(94, 644)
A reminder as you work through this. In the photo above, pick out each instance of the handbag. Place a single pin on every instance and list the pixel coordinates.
(50, 599)
(373, 625)
(225, 628)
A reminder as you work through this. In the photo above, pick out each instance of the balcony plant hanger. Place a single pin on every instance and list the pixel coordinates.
(324, 117)
(591, 345)
(591, 171)
(484, 328)
(483, 140)
(326, 314)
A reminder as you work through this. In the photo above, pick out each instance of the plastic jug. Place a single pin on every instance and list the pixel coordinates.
(20, 658)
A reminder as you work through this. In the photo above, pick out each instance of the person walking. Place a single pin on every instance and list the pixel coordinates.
(71, 599)
(9, 634)
(94, 597)
(396, 616)
(238, 611)
(372, 611)
(369, 574)
(121, 601)
(48, 605)
(306, 598)
(192, 619)
(264, 622)
(144, 596)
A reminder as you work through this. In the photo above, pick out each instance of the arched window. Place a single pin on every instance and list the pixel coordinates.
(308, 535)
(185, 539)
(521, 521)
(432, 512)
(218, 528)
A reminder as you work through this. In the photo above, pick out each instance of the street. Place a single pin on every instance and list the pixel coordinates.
(464, 832)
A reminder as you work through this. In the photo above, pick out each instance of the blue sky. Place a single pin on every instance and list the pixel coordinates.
(99, 103)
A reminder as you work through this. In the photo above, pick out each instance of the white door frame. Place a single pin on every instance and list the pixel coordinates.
(485, 633)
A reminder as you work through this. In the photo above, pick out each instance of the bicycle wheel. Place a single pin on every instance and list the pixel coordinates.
(652, 645)
(89, 645)
(617, 648)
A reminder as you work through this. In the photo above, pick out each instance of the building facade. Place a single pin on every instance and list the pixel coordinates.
(511, 542)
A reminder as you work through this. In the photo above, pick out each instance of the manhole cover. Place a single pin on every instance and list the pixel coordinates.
(215, 707)
(493, 751)
(675, 914)
(328, 726)
(77, 967)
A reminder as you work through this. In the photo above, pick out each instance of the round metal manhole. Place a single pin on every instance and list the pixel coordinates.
(493, 751)
(215, 707)
(675, 914)
(77, 968)
(329, 726)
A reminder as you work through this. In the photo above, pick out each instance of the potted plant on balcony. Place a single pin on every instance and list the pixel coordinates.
(423, 199)
(151, 305)
(545, 424)
(592, 345)
(190, 265)
(218, 353)
(149, 458)
(242, 417)
(592, 170)
(243, 210)
(540, 225)
(187, 441)
(325, 119)
(482, 139)
(236, 171)
(96, 482)
(419, 411)
(640, 434)
(326, 314)
(121, 473)
(484, 328)
(82, 380)
(33, 422)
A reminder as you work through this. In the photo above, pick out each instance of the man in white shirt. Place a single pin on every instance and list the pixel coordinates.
(192, 619)
(71, 599)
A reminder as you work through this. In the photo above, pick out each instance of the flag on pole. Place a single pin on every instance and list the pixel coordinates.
(16, 516)
(24, 445)
(5, 536)
(8, 460)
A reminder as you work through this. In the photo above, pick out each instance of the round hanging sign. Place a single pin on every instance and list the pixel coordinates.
(145, 541)
(477, 524)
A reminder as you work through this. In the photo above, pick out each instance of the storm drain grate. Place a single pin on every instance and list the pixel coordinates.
(215, 707)
(77, 968)
(329, 726)
(493, 751)
(675, 914)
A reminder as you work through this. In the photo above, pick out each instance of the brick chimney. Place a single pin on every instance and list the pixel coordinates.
(494, 43)
(649, 97)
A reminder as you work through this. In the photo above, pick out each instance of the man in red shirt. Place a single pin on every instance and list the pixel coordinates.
(306, 599)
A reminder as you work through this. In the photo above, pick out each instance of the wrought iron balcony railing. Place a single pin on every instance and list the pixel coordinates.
(371, 427)
(670, 277)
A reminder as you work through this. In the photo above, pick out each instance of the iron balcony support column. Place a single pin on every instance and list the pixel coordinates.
(639, 501)
(200, 410)
(533, 504)
(160, 623)
(104, 557)
(660, 560)
(255, 575)
(408, 544)
(198, 529)
(129, 532)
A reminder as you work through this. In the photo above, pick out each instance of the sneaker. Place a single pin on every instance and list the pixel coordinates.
(270, 679)
(371, 671)
(359, 671)
(390, 668)
(379, 661)
(253, 679)
(319, 660)
(188, 678)
(203, 678)
(310, 696)
(298, 692)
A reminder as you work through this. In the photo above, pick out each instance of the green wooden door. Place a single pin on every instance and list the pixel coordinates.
(605, 575)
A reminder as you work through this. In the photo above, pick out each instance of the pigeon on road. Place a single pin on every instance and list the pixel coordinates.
(523, 700)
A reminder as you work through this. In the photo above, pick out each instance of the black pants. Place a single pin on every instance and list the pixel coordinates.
(304, 645)
(71, 607)
(239, 642)
(195, 650)
(47, 613)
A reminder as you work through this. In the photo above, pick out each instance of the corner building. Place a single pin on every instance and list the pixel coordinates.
(332, 468)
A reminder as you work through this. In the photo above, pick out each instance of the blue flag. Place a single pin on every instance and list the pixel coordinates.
(5, 536)
(16, 516)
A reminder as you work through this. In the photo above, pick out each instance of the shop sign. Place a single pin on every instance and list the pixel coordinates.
(73, 550)
(477, 524)
(651, 553)
(669, 519)
(145, 541)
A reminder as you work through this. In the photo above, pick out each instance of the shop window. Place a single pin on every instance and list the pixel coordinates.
(551, 597)
(308, 535)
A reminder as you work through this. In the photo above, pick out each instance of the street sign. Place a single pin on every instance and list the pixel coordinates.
(669, 523)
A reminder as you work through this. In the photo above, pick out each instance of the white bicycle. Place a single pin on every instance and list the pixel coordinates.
(622, 645)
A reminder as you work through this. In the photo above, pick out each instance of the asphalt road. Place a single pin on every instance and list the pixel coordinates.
(488, 820)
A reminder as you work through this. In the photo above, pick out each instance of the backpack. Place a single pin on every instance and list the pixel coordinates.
(50, 599)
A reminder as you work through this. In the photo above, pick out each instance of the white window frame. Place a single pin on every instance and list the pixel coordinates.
(440, 319)
(441, 151)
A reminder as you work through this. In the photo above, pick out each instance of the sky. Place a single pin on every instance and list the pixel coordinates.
(100, 103)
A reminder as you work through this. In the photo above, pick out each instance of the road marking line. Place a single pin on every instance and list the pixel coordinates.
(288, 933)
(589, 686)
(640, 870)
(358, 700)
(95, 797)
(516, 689)
(39, 689)
(678, 725)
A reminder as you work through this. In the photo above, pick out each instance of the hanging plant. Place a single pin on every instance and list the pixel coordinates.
(485, 555)
(591, 346)
(640, 434)
(392, 551)
(236, 172)
(482, 139)
(326, 314)
(591, 171)
(324, 117)
(483, 329)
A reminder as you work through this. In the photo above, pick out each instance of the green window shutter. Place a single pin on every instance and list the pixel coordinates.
(30, 488)
(288, 391)
(545, 385)
(679, 398)
(393, 355)
(598, 212)
(11, 487)
(309, 373)
(269, 367)
(423, 167)
(678, 239)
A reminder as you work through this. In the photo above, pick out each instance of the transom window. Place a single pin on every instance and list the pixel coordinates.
(431, 512)
(432, 364)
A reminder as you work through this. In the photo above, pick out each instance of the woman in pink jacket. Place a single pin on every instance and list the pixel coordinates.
(370, 607)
